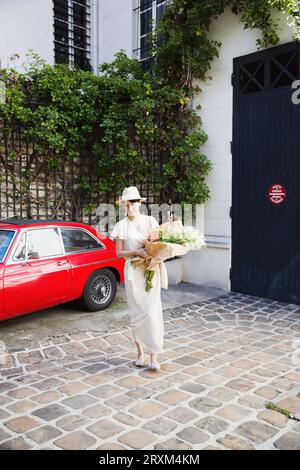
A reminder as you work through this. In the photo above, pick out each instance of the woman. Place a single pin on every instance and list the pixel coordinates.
(145, 307)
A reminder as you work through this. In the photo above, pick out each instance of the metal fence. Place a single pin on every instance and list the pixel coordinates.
(30, 188)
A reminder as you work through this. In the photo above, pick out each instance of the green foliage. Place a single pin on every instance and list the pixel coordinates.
(292, 9)
(283, 411)
(114, 120)
(125, 120)
(182, 44)
(54, 107)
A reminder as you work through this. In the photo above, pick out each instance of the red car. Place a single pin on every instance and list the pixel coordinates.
(47, 263)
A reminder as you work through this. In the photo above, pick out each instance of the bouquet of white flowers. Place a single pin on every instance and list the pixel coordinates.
(167, 241)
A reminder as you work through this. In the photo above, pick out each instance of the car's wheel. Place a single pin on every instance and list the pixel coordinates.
(100, 290)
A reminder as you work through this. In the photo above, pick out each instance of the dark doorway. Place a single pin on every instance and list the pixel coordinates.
(266, 160)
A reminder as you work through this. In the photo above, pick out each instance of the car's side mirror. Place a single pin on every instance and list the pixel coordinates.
(30, 255)
(33, 255)
(24, 261)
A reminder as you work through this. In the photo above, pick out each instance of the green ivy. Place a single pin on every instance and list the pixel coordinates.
(126, 122)
(183, 50)
(182, 45)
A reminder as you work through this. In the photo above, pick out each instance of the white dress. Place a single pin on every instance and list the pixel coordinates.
(145, 307)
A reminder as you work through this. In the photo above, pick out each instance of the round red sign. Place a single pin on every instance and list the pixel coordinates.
(277, 193)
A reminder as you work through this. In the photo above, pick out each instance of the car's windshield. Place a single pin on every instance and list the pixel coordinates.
(6, 237)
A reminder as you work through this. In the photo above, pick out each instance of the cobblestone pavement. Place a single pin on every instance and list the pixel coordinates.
(71, 318)
(224, 360)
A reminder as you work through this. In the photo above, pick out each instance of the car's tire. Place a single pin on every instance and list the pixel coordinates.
(100, 290)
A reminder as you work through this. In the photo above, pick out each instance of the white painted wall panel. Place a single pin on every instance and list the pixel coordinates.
(24, 25)
(116, 28)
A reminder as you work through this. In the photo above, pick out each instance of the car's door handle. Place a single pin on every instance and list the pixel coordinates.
(62, 263)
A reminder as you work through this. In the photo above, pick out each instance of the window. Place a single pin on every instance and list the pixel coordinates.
(284, 69)
(6, 237)
(20, 252)
(72, 32)
(252, 77)
(273, 70)
(43, 243)
(76, 240)
(39, 243)
(148, 14)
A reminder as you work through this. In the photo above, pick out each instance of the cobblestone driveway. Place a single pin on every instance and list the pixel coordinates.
(225, 359)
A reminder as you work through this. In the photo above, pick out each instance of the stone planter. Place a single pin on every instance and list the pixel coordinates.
(175, 271)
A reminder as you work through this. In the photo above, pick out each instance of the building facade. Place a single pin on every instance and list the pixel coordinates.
(90, 32)
(57, 30)
(80, 32)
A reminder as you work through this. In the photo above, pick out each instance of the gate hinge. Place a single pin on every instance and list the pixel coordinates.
(231, 148)
(230, 273)
(232, 79)
(230, 212)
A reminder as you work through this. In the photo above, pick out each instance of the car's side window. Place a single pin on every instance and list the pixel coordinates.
(76, 240)
(41, 243)
(19, 254)
(44, 243)
(6, 237)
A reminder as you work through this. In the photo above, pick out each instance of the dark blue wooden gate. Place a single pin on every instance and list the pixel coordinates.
(266, 151)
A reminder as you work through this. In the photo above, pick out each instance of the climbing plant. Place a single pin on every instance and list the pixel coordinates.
(182, 49)
(119, 126)
(182, 44)
(126, 123)
(47, 121)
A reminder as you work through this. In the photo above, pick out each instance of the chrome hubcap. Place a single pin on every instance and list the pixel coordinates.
(101, 289)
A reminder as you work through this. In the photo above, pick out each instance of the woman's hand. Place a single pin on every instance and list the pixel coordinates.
(153, 237)
(142, 252)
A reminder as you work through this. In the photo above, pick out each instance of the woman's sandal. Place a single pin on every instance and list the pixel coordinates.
(140, 363)
(154, 366)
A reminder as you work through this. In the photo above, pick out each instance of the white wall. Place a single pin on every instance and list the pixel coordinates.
(28, 24)
(24, 25)
(211, 266)
(115, 28)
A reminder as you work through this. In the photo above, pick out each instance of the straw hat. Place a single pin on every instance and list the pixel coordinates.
(129, 194)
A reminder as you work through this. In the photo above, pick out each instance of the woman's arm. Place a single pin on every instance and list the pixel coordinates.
(126, 253)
